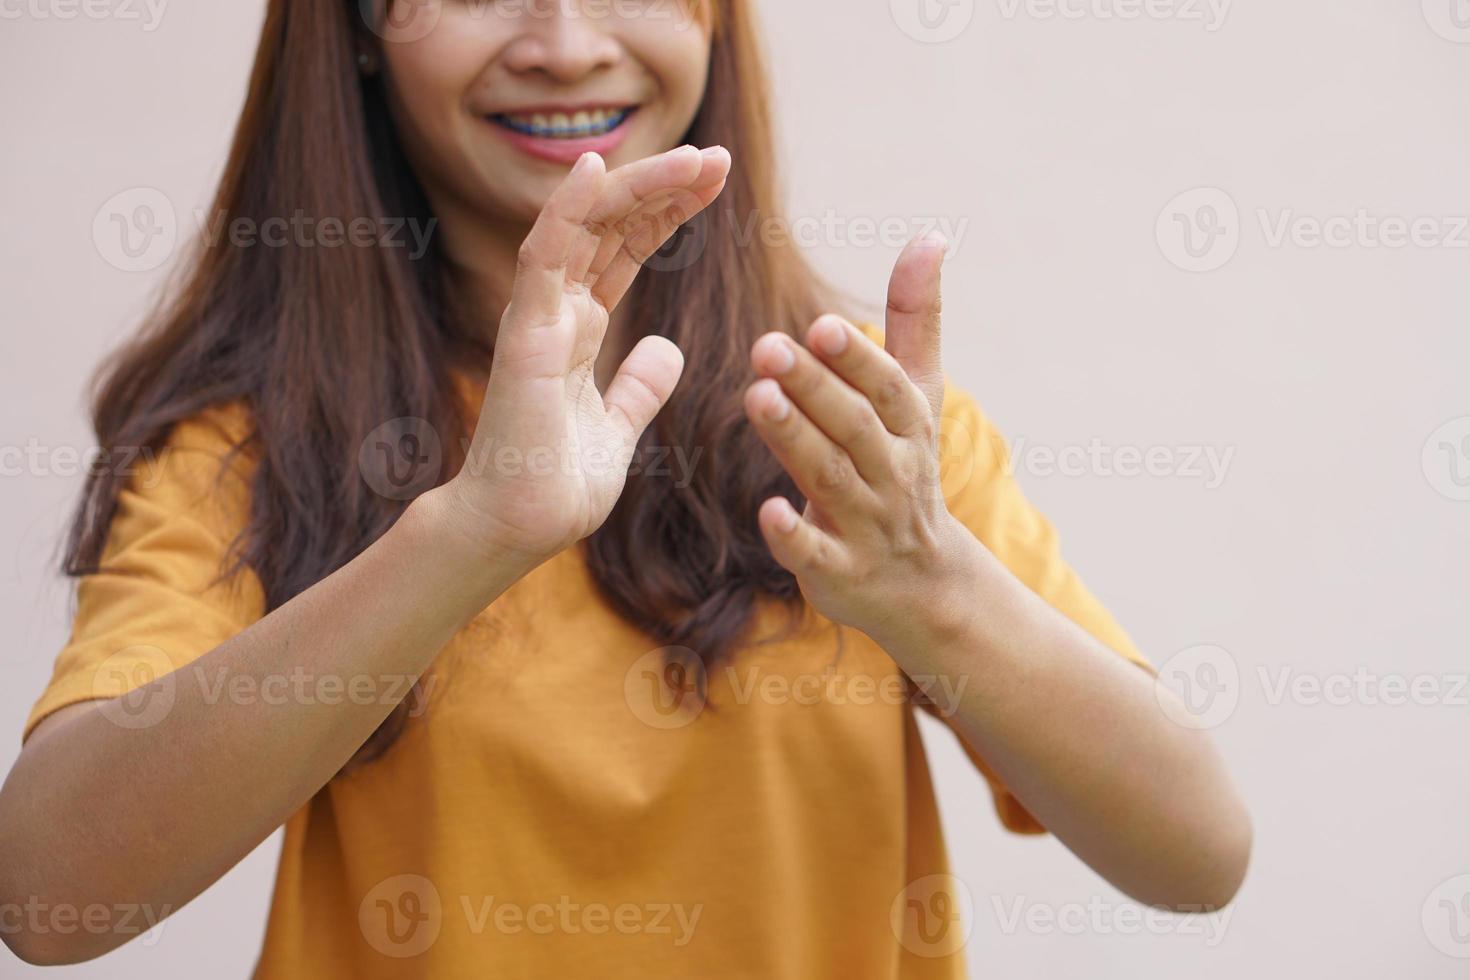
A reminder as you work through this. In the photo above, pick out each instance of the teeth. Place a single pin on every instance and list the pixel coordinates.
(559, 125)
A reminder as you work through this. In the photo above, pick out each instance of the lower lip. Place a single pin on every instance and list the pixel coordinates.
(565, 151)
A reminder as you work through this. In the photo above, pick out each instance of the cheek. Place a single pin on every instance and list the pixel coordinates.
(679, 58)
(426, 91)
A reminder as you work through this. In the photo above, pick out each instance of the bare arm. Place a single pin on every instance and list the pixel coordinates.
(1073, 729)
(95, 812)
(98, 813)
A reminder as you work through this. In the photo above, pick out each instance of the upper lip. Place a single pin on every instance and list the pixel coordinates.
(565, 108)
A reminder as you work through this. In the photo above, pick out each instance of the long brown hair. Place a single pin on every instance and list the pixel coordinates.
(323, 345)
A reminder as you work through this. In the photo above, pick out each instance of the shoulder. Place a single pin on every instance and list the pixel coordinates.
(201, 472)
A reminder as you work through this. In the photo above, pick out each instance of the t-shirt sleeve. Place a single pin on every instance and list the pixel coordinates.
(982, 492)
(159, 598)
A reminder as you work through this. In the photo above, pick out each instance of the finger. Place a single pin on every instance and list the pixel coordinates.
(838, 409)
(643, 384)
(912, 326)
(871, 370)
(797, 544)
(823, 471)
(645, 237)
(623, 190)
(541, 264)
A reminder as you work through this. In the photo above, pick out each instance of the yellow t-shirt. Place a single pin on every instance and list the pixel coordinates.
(557, 810)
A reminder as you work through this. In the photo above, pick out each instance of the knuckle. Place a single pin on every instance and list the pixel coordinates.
(834, 473)
(865, 424)
(892, 391)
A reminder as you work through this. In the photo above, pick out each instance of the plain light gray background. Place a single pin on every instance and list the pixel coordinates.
(1326, 372)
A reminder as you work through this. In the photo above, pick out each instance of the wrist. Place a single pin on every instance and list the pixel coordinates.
(944, 611)
(469, 566)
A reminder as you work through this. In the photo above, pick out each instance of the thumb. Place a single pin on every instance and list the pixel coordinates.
(911, 332)
(643, 384)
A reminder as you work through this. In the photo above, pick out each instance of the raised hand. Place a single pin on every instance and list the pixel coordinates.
(550, 452)
(857, 427)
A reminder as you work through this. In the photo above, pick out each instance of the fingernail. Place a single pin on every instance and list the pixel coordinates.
(778, 408)
(711, 152)
(782, 359)
(835, 341)
(787, 521)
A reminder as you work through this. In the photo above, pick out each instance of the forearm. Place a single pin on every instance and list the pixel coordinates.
(95, 812)
(1076, 733)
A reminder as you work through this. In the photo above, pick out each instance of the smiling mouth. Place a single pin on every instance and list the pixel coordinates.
(562, 125)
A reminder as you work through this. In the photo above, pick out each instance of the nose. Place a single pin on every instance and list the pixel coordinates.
(562, 40)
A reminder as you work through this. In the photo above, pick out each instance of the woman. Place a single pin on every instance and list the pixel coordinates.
(414, 574)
